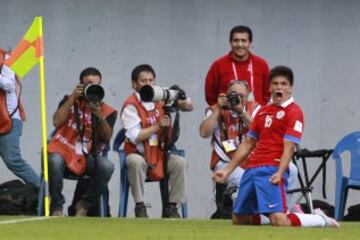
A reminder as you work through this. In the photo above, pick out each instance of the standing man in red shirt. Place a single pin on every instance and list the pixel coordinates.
(239, 63)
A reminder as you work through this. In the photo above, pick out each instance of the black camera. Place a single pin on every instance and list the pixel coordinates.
(150, 93)
(234, 99)
(94, 93)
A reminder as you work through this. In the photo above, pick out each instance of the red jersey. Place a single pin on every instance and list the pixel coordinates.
(271, 126)
(254, 70)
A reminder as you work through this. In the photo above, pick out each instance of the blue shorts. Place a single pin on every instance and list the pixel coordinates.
(258, 195)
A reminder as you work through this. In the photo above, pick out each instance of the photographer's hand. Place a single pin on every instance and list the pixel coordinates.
(62, 113)
(145, 133)
(185, 105)
(222, 101)
(78, 91)
(165, 121)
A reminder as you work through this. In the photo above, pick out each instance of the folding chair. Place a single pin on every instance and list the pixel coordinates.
(103, 199)
(350, 143)
(306, 184)
(124, 184)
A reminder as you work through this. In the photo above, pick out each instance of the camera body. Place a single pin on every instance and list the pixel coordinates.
(233, 99)
(150, 93)
(93, 93)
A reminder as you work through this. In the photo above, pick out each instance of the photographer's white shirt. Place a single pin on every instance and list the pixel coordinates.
(132, 123)
(217, 148)
(8, 84)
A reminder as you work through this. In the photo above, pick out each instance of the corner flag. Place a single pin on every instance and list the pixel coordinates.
(29, 50)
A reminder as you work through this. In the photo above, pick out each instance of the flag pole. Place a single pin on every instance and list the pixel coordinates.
(44, 127)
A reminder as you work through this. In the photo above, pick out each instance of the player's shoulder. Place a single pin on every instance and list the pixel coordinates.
(294, 108)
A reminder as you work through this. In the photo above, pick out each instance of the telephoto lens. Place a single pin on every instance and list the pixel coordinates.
(94, 93)
(155, 94)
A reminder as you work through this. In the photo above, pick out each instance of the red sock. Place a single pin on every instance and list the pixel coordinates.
(255, 219)
(295, 221)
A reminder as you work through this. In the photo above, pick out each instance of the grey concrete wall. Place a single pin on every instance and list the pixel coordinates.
(180, 39)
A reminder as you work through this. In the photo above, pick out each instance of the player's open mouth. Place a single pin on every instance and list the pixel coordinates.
(278, 94)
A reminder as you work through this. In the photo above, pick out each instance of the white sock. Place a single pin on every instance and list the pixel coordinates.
(310, 220)
(264, 220)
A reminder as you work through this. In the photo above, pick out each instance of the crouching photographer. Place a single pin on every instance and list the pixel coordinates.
(145, 116)
(227, 122)
(84, 125)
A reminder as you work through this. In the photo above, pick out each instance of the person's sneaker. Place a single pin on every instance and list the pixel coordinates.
(81, 212)
(140, 210)
(80, 209)
(229, 195)
(172, 211)
(330, 222)
(57, 213)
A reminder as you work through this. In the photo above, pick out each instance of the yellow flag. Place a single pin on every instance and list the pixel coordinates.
(28, 52)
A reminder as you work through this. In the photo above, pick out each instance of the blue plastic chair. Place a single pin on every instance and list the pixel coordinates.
(103, 199)
(124, 184)
(351, 143)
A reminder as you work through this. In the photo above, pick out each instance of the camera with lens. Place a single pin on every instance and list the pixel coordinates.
(155, 94)
(234, 99)
(93, 93)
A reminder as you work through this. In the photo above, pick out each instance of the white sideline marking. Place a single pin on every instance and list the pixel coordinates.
(23, 220)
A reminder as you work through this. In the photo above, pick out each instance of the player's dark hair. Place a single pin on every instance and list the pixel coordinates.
(282, 71)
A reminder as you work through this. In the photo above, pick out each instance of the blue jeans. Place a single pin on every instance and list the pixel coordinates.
(11, 155)
(99, 178)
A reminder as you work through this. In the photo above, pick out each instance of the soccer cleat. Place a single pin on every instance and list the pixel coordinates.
(330, 222)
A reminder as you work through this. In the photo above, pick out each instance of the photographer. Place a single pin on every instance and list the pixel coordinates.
(84, 125)
(145, 123)
(12, 115)
(227, 122)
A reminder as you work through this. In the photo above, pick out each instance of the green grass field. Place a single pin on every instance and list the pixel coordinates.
(158, 229)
